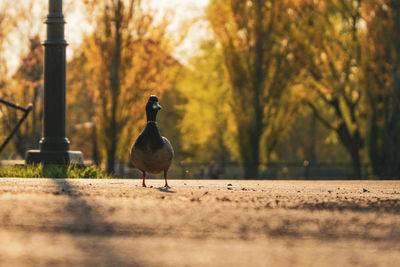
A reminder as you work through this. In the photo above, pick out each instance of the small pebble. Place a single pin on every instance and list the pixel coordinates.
(229, 184)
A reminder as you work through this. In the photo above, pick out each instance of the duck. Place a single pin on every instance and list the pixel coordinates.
(152, 152)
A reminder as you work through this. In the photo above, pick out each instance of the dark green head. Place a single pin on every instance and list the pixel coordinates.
(152, 107)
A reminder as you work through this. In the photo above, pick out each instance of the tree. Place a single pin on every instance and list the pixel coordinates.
(129, 57)
(26, 87)
(333, 92)
(81, 106)
(261, 60)
(19, 36)
(381, 78)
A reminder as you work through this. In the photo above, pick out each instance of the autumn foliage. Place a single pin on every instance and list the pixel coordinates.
(275, 81)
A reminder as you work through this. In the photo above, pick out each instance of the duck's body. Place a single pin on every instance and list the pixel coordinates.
(152, 152)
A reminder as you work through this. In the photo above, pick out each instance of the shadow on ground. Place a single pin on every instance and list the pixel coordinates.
(87, 221)
(166, 190)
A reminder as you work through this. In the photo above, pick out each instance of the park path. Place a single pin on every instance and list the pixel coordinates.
(77, 222)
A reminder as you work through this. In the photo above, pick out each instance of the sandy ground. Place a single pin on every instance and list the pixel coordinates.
(56, 222)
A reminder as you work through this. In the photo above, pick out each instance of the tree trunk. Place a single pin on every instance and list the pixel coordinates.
(115, 89)
(95, 150)
(255, 151)
(250, 170)
(249, 142)
(352, 144)
(355, 162)
(251, 156)
(111, 157)
(373, 136)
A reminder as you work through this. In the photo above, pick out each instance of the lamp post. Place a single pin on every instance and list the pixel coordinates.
(54, 145)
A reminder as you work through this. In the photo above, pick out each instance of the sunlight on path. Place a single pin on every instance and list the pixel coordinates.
(199, 223)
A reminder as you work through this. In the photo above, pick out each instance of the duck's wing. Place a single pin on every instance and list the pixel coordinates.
(168, 148)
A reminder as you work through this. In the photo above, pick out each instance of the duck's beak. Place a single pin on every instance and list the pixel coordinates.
(156, 106)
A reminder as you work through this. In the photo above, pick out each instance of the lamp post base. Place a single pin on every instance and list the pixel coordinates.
(54, 157)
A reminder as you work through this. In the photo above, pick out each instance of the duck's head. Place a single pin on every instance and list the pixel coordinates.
(152, 107)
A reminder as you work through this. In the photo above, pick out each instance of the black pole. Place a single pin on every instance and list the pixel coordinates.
(54, 145)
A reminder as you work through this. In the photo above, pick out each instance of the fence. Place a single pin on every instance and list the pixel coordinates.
(273, 170)
(232, 170)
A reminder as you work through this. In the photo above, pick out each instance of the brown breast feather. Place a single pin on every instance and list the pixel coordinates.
(153, 160)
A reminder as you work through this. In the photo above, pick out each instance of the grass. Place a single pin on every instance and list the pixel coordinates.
(53, 171)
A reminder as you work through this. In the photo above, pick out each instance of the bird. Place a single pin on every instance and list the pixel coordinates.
(152, 152)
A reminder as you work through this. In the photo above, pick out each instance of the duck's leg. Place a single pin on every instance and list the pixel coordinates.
(144, 178)
(165, 177)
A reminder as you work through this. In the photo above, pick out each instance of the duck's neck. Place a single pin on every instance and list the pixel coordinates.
(152, 124)
(152, 133)
(151, 116)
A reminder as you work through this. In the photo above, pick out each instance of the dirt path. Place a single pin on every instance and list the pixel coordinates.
(59, 222)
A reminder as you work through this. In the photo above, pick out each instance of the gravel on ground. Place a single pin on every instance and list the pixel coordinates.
(116, 222)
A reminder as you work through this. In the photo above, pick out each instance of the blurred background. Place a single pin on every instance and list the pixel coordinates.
(289, 89)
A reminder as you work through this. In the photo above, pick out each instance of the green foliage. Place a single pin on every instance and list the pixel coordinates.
(204, 126)
(262, 59)
(168, 120)
(53, 171)
(331, 87)
(282, 80)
